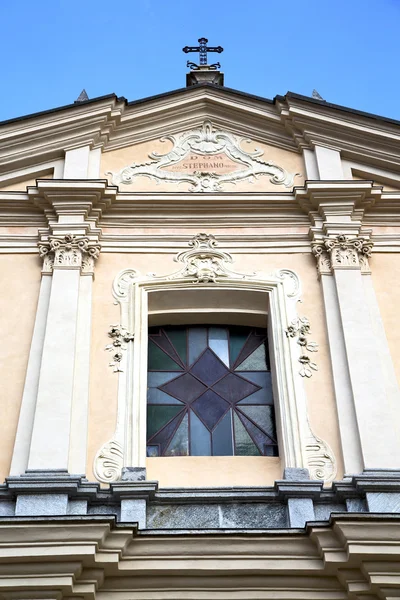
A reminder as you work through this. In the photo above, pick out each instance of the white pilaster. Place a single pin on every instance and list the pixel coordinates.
(329, 163)
(80, 396)
(377, 423)
(367, 393)
(310, 161)
(23, 438)
(351, 448)
(77, 163)
(52, 429)
(52, 423)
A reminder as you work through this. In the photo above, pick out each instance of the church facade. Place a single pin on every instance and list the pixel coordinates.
(200, 358)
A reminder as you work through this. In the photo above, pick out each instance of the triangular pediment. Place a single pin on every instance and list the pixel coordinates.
(288, 124)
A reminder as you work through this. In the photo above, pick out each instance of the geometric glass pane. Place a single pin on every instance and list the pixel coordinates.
(255, 362)
(234, 388)
(210, 392)
(264, 394)
(218, 342)
(262, 417)
(179, 445)
(197, 342)
(237, 339)
(209, 408)
(160, 361)
(185, 388)
(164, 435)
(200, 437)
(222, 437)
(156, 378)
(156, 396)
(209, 368)
(158, 416)
(254, 340)
(178, 338)
(243, 442)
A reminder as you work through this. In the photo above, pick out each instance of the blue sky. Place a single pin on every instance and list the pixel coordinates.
(51, 49)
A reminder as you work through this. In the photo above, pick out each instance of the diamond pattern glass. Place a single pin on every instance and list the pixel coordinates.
(220, 403)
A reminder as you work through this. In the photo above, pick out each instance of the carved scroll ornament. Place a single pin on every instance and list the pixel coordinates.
(204, 263)
(203, 143)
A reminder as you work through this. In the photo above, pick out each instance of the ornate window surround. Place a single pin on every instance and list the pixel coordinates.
(223, 296)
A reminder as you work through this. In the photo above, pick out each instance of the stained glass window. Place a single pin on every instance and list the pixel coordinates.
(209, 392)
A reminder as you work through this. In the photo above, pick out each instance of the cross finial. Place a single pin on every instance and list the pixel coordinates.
(202, 48)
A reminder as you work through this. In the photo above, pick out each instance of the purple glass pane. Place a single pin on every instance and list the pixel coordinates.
(197, 342)
(234, 388)
(163, 437)
(200, 437)
(153, 451)
(179, 445)
(260, 438)
(208, 368)
(222, 438)
(210, 408)
(185, 388)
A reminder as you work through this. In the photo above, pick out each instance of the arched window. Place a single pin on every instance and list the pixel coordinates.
(209, 392)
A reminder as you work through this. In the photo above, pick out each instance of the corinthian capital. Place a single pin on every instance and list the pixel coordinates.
(69, 252)
(342, 252)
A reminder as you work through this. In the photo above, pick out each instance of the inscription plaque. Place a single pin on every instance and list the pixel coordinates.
(218, 164)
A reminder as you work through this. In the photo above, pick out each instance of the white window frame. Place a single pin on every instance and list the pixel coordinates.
(206, 269)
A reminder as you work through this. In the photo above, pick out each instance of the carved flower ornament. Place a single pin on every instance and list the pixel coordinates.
(300, 328)
(120, 337)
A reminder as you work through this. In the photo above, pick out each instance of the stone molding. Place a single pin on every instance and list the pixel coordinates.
(342, 252)
(69, 252)
(352, 556)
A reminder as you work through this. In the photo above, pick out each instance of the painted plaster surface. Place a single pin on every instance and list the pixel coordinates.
(139, 153)
(103, 389)
(213, 471)
(386, 281)
(20, 282)
(22, 184)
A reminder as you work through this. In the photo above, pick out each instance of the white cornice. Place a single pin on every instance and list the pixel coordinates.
(292, 123)
(353, 556)
(275, 222)
(357, 136)
(47, 136)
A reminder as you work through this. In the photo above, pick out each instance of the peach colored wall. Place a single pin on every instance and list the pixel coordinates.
(213, 471)
(20, 282)
(386, 187)
(385, 270)
(22, 184)
(117, 159)
(103, 395)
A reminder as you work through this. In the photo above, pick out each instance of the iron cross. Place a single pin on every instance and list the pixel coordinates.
(203, 49)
